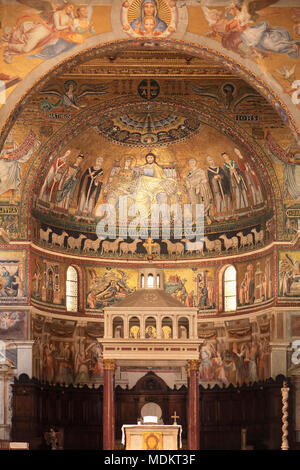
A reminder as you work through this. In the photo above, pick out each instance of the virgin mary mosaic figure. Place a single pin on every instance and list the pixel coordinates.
(149, 9)
(148, 18)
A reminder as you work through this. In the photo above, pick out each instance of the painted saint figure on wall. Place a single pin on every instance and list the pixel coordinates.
(220, 188)
(53, 178)
(89, 188)
(198, 188)
(68, 183)
(122, 182)
(11, 281)
(246, 290)
(250, 177)
(237, 182)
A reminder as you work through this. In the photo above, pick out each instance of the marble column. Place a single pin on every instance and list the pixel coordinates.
(109, 404)
(193, 417)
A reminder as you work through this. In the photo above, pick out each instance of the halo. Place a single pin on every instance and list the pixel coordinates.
(131, 157)
(69, 82)
(163, 11)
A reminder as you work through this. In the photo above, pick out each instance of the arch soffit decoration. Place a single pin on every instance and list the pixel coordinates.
(111, 43)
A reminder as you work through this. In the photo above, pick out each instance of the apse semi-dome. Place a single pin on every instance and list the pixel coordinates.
(90, 192)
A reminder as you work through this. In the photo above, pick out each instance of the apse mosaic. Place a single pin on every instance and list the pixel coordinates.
(220, 177)
(275, 51)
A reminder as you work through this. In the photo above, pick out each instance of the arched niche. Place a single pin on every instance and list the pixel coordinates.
(183, 328)
(150, 328)
(134, 327)
(167, 328)
(118, 327)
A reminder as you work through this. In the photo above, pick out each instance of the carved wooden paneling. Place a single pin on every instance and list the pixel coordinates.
(224, 412)
(78, 412)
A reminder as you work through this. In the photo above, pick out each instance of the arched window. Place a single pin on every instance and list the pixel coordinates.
(72, 290)
(158, 281)
(230, 289)
(150, 282)
(142, 281)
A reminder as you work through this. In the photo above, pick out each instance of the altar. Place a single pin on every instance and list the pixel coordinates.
(151, 437)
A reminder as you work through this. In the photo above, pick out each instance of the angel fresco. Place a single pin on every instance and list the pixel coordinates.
(240, 34)
(67, 97)
(55, 29)
(148, 18)
(11, 158)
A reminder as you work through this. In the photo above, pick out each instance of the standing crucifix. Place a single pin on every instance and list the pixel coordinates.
(175, 416)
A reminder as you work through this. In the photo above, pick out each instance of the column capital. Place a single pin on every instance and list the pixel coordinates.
(192, 364)
(109, 364)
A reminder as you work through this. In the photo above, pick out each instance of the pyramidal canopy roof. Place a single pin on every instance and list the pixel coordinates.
(148, 298)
